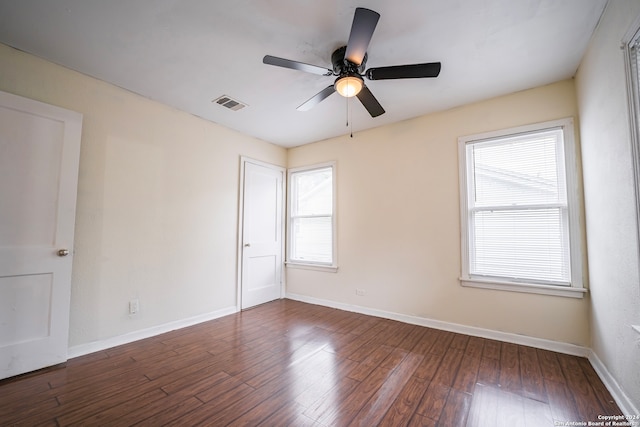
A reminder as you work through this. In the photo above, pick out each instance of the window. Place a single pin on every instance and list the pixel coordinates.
(312, 216)
(519, 210)
(631, 45)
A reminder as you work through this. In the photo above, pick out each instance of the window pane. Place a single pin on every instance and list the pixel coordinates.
(312, 192)
(311, 239)
(518, 171)
(521, 244)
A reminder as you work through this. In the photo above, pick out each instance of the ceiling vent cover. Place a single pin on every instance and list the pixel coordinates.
(230, 103)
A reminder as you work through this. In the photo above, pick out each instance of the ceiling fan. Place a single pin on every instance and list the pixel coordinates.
(349, 66)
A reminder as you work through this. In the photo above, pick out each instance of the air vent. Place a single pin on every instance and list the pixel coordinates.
(229, 103)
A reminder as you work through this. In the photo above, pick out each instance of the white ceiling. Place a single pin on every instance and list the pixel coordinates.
(185, 53)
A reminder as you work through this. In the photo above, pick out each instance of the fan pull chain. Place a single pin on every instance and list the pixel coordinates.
(347, 110)
(350, 114)
(349, 122)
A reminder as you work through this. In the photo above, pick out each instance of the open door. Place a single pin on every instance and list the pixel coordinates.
(39, 155)
(262, 242)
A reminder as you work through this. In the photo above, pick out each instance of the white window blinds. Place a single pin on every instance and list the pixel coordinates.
(517, 217)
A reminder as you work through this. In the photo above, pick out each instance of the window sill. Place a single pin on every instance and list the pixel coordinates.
(561, 291)
(315, 267)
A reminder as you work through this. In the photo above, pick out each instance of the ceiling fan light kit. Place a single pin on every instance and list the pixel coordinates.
(349, 86)
(349, 67)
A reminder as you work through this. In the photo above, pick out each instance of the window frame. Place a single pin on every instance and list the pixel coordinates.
(312, 265)
(632, 74)
(576, 288)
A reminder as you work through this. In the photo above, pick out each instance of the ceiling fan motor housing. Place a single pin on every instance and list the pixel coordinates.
(344, 67)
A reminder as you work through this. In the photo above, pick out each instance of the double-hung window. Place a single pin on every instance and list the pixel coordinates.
(520, 211)
(312, 216)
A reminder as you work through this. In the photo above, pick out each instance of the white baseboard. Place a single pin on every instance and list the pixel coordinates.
(82, 349)
(624, 402)
(541, 343)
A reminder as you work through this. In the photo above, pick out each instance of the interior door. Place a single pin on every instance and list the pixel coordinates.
(39, 155)
(262, 233)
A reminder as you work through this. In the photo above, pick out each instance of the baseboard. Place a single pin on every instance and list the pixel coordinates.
(624, 402)
(82, 349)
(541, 343)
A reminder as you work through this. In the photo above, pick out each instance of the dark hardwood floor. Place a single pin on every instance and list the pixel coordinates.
(291, 363)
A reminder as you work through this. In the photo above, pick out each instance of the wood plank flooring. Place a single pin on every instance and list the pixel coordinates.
(290, 363)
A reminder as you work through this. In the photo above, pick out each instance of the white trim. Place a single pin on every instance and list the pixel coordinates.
(624, 402)
(573, 189)
(518, 130)
(464, 208)
(82, 349)
(240, 235)
(314, 267)
(541, 343)
(631, 32)
(524, 287)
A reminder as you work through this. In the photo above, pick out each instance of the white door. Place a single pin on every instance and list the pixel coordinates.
(39, 154)
(262, 233)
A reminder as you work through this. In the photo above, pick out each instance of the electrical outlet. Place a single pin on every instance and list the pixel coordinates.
(360, 292)
(134, 306)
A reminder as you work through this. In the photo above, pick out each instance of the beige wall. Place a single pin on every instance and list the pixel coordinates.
(614, 262)
(398, 222)
(158, 196)
(158, 199)
(157, 202)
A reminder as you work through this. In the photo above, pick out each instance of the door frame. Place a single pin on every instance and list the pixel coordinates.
(239, 246)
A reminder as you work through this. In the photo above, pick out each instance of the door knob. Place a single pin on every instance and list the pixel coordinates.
(63, 252)
(246, 245)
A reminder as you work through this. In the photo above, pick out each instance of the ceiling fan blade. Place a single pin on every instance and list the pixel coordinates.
(317, 98)
(413, 71)
(295, 65)
(362, 28)
(370, 102)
